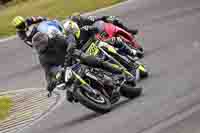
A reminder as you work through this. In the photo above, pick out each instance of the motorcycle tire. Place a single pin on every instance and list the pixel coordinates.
(90, 102)
(130, 92)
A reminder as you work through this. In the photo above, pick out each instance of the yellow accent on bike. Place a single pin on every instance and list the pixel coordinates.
(128, 73)
(108, 46)
(115, 66)
(92, 50)
(80, 79)
(111, 49)
(77, 34)
(141, 67)
(124, 70)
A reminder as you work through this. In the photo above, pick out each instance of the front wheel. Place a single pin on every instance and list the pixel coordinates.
(99, 103)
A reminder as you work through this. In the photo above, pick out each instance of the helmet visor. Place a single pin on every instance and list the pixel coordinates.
(21, 26)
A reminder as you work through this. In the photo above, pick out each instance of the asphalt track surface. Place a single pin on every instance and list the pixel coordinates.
(170, 34)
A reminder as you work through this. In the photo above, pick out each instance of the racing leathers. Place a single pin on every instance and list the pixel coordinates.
(27, 33)
(89, 20)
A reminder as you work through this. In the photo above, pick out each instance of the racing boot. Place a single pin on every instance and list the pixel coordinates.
(124, 48)
(136, 53)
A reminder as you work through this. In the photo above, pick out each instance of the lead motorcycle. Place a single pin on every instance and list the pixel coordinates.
(95, 88)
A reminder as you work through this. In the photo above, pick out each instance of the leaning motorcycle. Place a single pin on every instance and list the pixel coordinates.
(89, 86)
(109, 53)
(95, 88)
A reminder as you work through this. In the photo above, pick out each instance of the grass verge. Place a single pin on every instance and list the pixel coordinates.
(5, 107)
(51, 8)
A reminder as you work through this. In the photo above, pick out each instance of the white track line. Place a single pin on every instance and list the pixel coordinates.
(20, 90)
(7, 39)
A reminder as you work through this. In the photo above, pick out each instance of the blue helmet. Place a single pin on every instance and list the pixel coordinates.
(51, 28)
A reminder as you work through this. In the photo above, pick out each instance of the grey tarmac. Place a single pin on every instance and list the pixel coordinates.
(169, 32)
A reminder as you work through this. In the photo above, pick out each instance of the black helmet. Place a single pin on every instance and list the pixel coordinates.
(40, 42)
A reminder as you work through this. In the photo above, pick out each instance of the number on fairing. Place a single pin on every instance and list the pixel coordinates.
(93, 49)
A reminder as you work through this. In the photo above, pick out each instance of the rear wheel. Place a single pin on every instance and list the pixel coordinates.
(98, 103)
(130, 92)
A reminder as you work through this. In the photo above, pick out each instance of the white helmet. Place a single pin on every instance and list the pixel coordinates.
(71, 27)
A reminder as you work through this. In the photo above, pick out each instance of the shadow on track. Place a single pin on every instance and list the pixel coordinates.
(125, 102)
(121, 104)
(90, 116)
(74, 122)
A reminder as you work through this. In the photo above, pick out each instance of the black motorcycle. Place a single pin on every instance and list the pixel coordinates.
(95, 88)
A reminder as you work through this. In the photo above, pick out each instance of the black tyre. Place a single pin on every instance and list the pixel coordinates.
(144, 74)
(130, 91)
(100, 104)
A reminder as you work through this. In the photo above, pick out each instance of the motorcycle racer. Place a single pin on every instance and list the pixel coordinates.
(110, 21)
(23, 29)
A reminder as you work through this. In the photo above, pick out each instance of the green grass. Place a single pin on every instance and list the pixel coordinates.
(51, 8)
(5, 107)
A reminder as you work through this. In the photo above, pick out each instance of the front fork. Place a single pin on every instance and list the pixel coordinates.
(84, 85)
